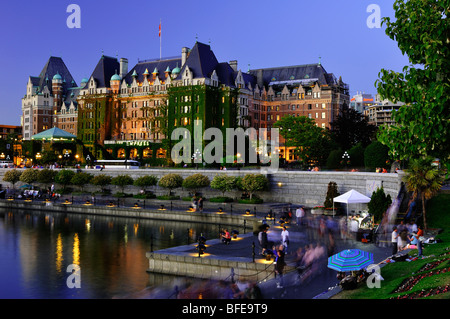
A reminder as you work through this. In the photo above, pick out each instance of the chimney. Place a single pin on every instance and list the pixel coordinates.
(184, 54)
(233, 65)
(259, 78)
(123, 67)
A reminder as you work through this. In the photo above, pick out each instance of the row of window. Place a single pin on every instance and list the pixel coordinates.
(290, 107)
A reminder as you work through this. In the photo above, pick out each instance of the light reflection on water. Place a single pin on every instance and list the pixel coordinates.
(36, 248)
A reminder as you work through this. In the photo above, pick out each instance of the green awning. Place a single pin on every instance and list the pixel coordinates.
(54, 134)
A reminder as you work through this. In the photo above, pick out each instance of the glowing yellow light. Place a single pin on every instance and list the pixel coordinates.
(263, 261)
(76, 249)
(201, 255)
(59, 253)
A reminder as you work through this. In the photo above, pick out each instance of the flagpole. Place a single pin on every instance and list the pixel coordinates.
(160, 41)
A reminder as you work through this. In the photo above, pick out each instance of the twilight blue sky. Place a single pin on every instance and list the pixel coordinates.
(261, 33)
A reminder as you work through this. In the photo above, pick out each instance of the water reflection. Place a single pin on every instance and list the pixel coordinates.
(37, 248)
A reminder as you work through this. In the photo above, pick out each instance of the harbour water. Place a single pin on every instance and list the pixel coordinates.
(36, 249)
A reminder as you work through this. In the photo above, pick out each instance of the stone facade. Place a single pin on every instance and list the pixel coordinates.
(296, 187)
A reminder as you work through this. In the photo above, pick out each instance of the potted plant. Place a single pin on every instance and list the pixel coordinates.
(317, 210)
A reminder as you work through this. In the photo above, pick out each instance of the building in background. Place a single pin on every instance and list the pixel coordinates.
(129, 114)
(11, 143)
(361, 101)
(45, 96)
(303, 90)
(381, 112)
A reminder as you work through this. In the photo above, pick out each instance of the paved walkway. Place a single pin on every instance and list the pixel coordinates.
(322, 281)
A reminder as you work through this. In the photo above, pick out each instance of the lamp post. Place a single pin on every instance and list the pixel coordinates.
(346, 158)
(66, 157)
(197, 154)
(38, 157)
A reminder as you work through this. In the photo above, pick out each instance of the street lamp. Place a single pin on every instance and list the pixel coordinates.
(346, 158)
(197, 154)
(66, 156)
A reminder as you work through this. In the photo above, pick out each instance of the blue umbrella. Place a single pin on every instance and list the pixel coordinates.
(350, 259)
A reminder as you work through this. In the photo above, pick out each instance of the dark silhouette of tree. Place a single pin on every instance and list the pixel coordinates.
(351, 128)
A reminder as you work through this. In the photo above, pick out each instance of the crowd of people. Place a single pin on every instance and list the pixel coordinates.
(406, 236)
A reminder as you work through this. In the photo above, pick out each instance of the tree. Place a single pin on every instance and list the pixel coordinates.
(101, 180)
(332, 192)
(356, 154)
(12, 176)
(29, 176)
(254, 182)
(376, 155)
(422, 125)
(122, 181)
(223, 183)
(64, 177)
(312, 143)
(351, 128)
(195, 182)
(46, 176)
(171, 181)
(379, 203)
(424, 180)
(81, 179)
(334, 158)
(145, 181)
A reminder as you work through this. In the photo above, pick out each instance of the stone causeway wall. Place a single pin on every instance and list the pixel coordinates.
(296, 187)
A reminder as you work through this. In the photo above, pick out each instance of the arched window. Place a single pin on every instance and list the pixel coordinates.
(161, 153)
(147, 153)
(121, 153)
(133, 153)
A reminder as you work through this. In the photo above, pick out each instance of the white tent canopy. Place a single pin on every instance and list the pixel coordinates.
(351, 197)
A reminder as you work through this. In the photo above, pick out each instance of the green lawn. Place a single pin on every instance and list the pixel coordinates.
(438, 216)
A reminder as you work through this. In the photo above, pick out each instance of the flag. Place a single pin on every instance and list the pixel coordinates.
(160, 29)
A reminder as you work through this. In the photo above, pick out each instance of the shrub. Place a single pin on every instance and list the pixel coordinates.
(254, 200)
(379, 203)
(334, 158)
(171, 181)
(122, 181)
(356, 154)
(195, 182)
(223, 183)
(253, 183)
(12, 176)
(223, 199)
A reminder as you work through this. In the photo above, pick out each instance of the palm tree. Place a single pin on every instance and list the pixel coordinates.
(423, 179)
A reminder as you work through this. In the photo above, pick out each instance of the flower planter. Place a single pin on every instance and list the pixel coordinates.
(317, 211)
